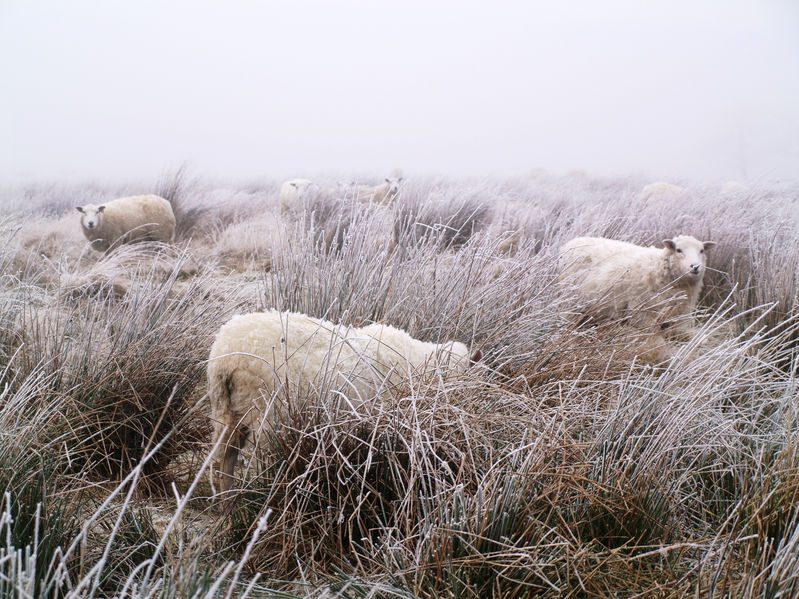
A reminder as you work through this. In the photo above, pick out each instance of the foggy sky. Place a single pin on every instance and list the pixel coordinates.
(682, 89)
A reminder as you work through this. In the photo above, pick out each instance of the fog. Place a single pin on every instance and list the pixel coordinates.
(685, 90)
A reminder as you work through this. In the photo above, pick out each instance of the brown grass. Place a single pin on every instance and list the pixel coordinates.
(579, 458)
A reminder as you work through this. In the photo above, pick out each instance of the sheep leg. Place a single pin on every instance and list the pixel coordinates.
(655, 350)
(232, 434)
(229, 460)
(230, 455)
(679, 330)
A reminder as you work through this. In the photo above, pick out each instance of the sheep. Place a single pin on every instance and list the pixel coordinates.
(661, 192)
(383, 194)
(258, 359)
(126, 220)
(734, 188)
(343, 189)
(656, 288)
(291, 193)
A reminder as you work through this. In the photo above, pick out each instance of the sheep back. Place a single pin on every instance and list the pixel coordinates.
(257, 360)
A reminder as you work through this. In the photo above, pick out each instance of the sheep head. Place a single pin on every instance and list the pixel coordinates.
(687, 257)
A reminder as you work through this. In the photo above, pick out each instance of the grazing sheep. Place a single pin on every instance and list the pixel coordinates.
(654, 287)
(383, 194)
(661, 192)
(125, 220)
(258, 359)
(291, 193)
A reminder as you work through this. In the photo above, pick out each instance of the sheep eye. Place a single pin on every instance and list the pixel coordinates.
(701, 251)
(679, 251)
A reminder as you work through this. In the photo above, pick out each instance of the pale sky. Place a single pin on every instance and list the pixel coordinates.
(702, 90)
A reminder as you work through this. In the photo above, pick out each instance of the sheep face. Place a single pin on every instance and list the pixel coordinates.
(301, 188)
(393, 185)
(687, 257)
(91, 216)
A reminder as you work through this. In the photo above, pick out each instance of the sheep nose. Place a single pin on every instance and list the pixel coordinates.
(695, 268)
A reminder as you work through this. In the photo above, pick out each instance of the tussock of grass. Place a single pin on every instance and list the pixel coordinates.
(579, 458)
(175, 188)
(449, 218)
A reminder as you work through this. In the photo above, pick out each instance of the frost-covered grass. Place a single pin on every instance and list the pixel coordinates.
(563, 464)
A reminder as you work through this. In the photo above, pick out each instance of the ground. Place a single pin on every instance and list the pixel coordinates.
(568, 462)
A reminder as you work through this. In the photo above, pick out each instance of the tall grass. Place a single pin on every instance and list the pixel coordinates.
(566, 463)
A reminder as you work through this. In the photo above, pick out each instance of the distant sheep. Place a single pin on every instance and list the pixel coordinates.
(733, 188)
(383, 194)
(344, 187)
(259, 358)
(656, 287)
(343, 190)
(661, 192)
(291, 193)
(126, 220)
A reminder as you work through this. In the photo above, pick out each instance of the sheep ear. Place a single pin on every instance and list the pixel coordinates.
(80, 209)
(669, 245)
(709, 244)
(476, 356)
(100, 208)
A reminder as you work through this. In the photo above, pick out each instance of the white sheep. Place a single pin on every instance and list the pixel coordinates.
(656, 288)
(344, 189)
(734, 188)
(661, 192)
(383, 194)
(258, 360)
(125, 220)
(292, 192)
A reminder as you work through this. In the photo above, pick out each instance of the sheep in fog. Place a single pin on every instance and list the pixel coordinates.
(259, 359)
(383, 194)
(734, 188)
(657, 288)
(343, 190)
(125, 220)
(661, 192)
(291, 193)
